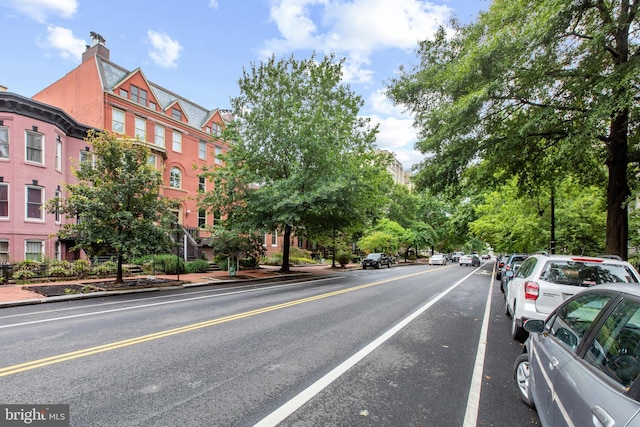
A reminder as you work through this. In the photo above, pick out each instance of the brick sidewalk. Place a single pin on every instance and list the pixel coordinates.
(11, 295)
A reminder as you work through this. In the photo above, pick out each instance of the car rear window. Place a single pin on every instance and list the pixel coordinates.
(584, 273)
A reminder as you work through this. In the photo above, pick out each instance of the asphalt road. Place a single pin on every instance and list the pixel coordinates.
(406, 346)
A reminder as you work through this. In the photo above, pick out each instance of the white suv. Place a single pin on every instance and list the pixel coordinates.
(543, 282)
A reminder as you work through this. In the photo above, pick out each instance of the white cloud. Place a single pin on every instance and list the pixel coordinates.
(164, 50)
(398, 136)
(62, 41)
(213, 4)
(39, 10)
(353, 29)
(396, 131)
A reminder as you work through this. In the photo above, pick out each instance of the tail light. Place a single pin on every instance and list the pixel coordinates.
(501, 264)
(531, 290)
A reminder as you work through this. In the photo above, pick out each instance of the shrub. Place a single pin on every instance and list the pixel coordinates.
(59, 271)
(343, 258)
(170, 264)
(107, 268)
(250, 263)
(197, 266)
(82, 267)
(27, 269)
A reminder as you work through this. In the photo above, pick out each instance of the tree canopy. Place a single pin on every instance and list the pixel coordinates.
(116, 205)
(301, 158)
(541, 89)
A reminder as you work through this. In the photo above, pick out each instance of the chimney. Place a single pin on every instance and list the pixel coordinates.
(3, 88)
(97, 49)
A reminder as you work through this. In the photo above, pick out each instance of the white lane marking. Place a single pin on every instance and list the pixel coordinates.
(135, 307)
(304, 396)
(473, 402)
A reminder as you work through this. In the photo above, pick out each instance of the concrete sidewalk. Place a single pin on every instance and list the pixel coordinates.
(14, 295)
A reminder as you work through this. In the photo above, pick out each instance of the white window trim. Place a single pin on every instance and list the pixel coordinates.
(6, 184)
(26, 242)
(7, 253)
(59, 154)
(176, 144)
(162, 134)
(171, 179)
(113, 111)
(42, 147)
(57, 216)
(6, 129)
(26, 204)
(140, 132)
(202, 144)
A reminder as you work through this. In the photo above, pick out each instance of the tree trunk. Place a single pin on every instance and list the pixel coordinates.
(285, 250)
(119, 270)
(617, 187)
(333, 242)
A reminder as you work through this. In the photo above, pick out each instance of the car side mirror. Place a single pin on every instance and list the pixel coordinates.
(508, 273)
(534, 326)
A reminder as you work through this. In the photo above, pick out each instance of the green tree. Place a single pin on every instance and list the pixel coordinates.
(533, 84)
(298, 149)
(234, 244)
(387, 236)
(512, 221)
(116, 201)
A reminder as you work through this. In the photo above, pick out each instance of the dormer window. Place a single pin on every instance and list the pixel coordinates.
(139, 95)
(176, 114)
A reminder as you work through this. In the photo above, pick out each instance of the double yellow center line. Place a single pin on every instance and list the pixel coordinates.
(27, 366)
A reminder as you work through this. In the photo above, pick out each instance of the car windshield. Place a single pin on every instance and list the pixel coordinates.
(584, 273)
(373, 256)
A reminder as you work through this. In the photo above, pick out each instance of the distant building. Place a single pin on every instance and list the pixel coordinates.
(400, 176)
(38, 144)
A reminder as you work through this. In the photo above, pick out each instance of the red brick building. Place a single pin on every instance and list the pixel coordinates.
(182, 135)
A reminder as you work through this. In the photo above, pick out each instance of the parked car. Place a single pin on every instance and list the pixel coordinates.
(500, 260)
(471, 260)
(376, 260)
(455, 257)
(503, 266)
(581, 366)
(543, 282)
(437, 259)
(513, 263)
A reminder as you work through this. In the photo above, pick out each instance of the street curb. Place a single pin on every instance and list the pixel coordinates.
(60, 298)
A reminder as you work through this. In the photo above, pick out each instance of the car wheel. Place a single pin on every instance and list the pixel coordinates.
(517, 332)
(521, 375)
(364, 267)
(498, 276)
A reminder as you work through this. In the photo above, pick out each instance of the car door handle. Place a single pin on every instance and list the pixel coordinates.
(601, 417)
(553, 362)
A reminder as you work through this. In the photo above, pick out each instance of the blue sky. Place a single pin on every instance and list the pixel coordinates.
(198, 48)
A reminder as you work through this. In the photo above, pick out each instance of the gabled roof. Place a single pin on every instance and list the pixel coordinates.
(133, 73)
(112, 75)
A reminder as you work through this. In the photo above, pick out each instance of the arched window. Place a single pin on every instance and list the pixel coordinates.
(175, 178)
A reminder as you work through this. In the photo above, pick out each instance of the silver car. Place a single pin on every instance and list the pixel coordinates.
(580, 366)
(543, 282)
